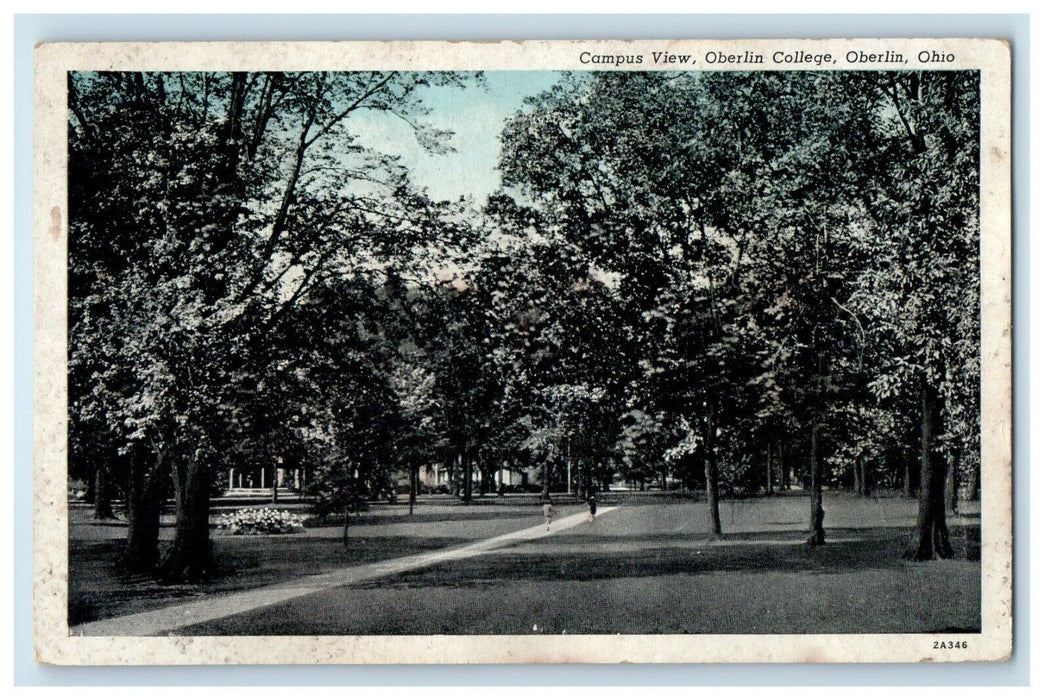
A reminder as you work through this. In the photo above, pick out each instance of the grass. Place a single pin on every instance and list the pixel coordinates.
(98, 590)
(564, 585)
(640, 569)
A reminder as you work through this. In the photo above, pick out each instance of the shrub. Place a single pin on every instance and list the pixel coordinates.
(261, 521)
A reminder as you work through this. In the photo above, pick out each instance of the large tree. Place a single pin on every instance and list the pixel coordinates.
(210, 205)
(783, 241)
(921, 288)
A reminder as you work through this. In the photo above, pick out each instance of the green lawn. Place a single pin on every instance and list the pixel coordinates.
(98, 590)
(739, 589)
(640, 569)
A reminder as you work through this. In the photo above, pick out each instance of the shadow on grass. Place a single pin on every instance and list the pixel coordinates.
(641, 557)
(98, 589)
(965, 538)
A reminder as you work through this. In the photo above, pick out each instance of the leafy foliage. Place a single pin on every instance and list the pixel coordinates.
(683, 276)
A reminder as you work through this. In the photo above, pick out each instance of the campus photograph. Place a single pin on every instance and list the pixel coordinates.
(524, 352)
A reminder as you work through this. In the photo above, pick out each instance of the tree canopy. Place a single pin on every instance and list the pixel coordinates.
(683, 276)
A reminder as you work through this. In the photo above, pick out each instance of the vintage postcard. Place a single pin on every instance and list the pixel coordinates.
(562, 352)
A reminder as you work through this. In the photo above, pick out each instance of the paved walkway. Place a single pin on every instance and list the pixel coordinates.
(169, 619)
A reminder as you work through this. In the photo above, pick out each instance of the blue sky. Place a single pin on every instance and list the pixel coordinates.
(475, 115)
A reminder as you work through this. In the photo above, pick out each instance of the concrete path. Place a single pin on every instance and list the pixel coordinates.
(169, 619)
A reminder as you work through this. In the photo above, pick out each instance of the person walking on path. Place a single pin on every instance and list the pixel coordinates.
(592, 507)
(549, 512)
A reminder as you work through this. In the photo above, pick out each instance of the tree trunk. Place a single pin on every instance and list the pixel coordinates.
(951, 486)
(973, 485)
(817, 512)
(711, 485)
(413, 478)
(346, 526)
(863, 487)
(933, 530)
(545, 491)
(468, 467)
(906, 477)
(784, 467)
(103, 506)
(451, 464)
(769, 470)
(189, 558)
(711, 472)
(145, 501)
(481, 477)
(569, 470)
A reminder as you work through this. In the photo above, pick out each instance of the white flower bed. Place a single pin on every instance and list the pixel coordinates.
(261, 521)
